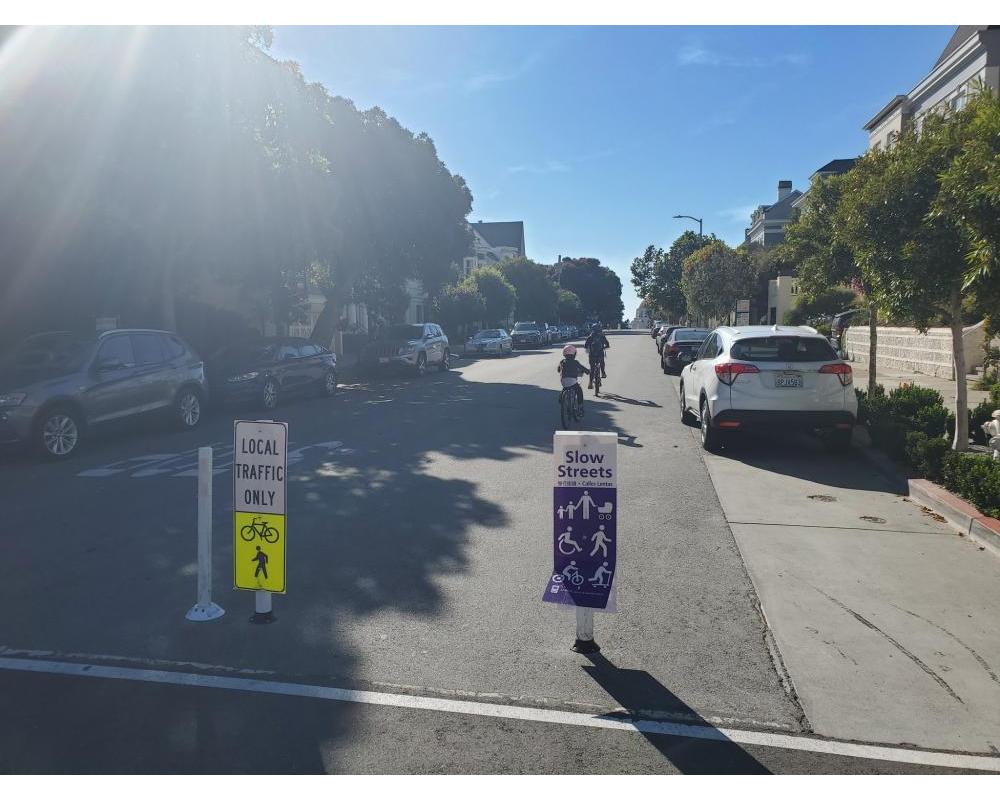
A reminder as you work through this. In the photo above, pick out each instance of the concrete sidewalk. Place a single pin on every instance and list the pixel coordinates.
(891, 379)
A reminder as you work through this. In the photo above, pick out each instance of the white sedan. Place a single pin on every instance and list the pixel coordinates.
(757, 376)
(493, 341)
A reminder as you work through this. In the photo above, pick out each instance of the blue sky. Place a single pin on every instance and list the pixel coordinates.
(597, 136)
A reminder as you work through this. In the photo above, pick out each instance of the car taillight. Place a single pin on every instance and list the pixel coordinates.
(842, 371)
(728, 371)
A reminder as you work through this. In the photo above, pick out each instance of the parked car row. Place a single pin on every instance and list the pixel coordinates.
(759, 377)
(56, 387)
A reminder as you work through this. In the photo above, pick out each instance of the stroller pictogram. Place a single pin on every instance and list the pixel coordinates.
(605, 511)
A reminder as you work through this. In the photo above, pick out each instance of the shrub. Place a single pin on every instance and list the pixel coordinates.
(932, 420)
(909, 399)
(976, 478)
(926, 454)
(888, 436)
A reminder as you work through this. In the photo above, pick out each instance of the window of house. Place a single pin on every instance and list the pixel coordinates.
(891, 139)
(957, 103)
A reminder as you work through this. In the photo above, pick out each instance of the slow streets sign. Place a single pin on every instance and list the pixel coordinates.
(584, 519)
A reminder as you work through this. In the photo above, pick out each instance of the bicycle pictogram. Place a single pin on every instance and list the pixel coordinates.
(259, 527)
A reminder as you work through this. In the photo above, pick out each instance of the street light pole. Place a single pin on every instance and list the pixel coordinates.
(696, 219)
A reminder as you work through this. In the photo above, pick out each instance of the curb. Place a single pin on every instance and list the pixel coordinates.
(961, 515)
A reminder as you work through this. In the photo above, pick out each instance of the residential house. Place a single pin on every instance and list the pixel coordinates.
(767, 223)
(971, 56)
(836, 167)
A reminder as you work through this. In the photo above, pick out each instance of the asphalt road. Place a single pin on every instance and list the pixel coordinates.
(418, 549)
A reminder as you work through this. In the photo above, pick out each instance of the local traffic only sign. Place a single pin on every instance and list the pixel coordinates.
(584, 520)
(260, 468)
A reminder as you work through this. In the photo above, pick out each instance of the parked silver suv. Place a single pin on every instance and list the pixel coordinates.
(55, 387)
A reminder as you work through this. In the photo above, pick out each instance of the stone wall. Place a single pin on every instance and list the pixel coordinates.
(908, 350)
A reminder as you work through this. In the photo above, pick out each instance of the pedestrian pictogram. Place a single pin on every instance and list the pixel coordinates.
(260, 463)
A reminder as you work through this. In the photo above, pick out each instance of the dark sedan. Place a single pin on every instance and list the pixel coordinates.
(265, 371)
(680, 346)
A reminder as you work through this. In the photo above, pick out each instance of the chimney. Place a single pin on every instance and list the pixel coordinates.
(784, 189)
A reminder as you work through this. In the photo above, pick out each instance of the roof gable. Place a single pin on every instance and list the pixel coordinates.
(961, 35)
(501, 234)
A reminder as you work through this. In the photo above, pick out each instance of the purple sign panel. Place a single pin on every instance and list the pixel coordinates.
(583, 546)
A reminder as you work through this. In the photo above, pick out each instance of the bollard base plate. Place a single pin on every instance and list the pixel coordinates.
(263, 617)
(586, 646)
(204, 612)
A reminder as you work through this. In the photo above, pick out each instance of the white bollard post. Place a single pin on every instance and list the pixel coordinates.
(585, 631)
(204, 610)
(262, 614)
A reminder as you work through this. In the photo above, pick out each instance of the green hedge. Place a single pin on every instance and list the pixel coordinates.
(910, 424)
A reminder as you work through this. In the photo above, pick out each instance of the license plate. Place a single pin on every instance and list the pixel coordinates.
(788, 380)
(383, 360)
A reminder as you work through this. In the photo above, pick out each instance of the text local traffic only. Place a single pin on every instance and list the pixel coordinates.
(585, 465)
(259, 468)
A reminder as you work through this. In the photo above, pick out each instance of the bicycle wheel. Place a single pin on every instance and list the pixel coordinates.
(248, 533)
(565, 410)
(270, 535)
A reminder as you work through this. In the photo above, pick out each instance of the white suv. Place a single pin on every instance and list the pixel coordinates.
(755, 376)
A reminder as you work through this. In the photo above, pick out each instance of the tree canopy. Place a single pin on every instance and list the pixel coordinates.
(598, 287)
(537, 296)
(656, 274)
(497, 292)
(183, 154)
(714, 278)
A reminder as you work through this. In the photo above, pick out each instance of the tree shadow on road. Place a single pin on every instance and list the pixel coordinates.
(639, 693)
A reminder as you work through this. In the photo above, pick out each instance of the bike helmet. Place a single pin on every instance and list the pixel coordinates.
(569, 351)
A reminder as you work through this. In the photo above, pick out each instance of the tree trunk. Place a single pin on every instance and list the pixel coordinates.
(325, 329)
(961, 441)
(872, 347)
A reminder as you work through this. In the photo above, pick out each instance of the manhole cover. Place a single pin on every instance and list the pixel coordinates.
(823, 498)
(879, 520)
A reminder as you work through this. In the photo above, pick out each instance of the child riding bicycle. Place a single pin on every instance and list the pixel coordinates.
(571, 370)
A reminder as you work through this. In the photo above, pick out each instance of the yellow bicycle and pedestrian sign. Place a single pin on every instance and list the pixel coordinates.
(260, 459)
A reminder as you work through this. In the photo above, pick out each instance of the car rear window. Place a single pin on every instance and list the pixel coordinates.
(783, 348)
(526, 326)
(690, 336)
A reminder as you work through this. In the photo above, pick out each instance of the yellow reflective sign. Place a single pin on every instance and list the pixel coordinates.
(259, 551)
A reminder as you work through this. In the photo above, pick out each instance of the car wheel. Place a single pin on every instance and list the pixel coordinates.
(686, 416)
(269, 398)
(187, 409)
(838, 440)
(663, 366)
(330, 383)
(421, 365)
(710, 437)
(59, 432)
(445, 364)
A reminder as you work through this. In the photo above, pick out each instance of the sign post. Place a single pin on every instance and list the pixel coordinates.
(584, 528)
(260, 467)
(204, 610)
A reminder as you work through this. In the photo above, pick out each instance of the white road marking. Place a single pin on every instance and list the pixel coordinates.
(931, 758)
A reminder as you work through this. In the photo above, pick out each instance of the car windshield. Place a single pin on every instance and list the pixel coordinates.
(51, 351)
(526, 326)
(488, 335)
(406, 332)
(783, 348)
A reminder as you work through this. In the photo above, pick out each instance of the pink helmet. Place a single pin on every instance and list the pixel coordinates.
(569, 351)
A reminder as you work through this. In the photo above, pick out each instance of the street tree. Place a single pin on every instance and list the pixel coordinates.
(714, 278)
(913, 250)
(570, 308)
(459, 306)
(598, 287)
(497, 292)
(656, 274)
(537, 296)
(819, 244)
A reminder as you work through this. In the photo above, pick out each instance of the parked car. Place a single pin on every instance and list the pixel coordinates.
(528, 334)
(662, 334)
(57, 388)
(680, 347)
(553, 333)
(758, 376)
(656, 327)
(495, 341)
(414, 347)
(267, 370)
